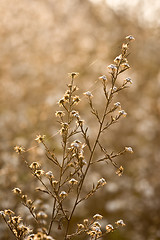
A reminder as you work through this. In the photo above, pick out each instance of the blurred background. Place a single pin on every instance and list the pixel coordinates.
(40, 42)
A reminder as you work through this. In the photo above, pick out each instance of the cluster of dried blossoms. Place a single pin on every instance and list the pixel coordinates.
(73, 167)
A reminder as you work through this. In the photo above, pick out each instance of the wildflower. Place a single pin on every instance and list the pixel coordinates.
(118, 59)
(49, 174)
(119, 172)
(73, 181)
(104, 78)
(66, 97)
(97, 217)
(61, 102)
(73, 74)
(17, 219)
(88, 94)
(86, 221)
(79, 123)
(24, 198)
(17, 191)
(2, 213)
(75, 88)
(29, 202)
(117, 104)
(125, 66)
(63, 194)
(76, 99)
(109, 228)
(80, 226)
(101, 182)
(122, 113)
(59, 113)
(97, 224)
(75, 114)
(129, 149)
(124, 46)
(112, 67)
(35, 165)
(40, 138)
(76, 144)
(8, 212)
(130, 38)
(96, 229)
(91, 233)
(120, 223)
(41, 214)
(54, 183)
(39, 173)
(114, 89)
(129, 80)
(19, 149)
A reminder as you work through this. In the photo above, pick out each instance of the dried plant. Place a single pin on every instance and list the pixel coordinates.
(69, 172)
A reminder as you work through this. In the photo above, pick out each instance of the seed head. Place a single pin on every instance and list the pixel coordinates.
(120, 170)
(88, 94)
(97, 217)
(130, 38)
(35, 165)
(19, 149)
(63, 194)
(17, 191)
(73, 181)
(120, 223)
(129, 149)
(109, 228)
(40, 138)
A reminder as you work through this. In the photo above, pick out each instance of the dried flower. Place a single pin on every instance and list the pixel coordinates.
(86, 221)
(109, 228)
(73, 74)
(80, 226)
(112, 67)
(76, 99)
(101, 182)
(122, 113)
(120, 223)
(35, 165)
(63, 194)
(129, 149)
(120, 170)
(88, 94)
(130, 38)
(8, 212)
(128, 80)
(118, 59)
(59, 113)
(39, 173)
(114, 89)
(103, 78)
(40, 138)
(73, 181)
(125, 66)
(97, 217)
(117, 104)
(41, 214)
(19, 149)
(61, 102)
(124, 46)
(49, 175)
(91, 233)
(97, 224)
(54, 183)
(17, 191)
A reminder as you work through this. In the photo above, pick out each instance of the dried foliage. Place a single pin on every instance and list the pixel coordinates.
(65, 181)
